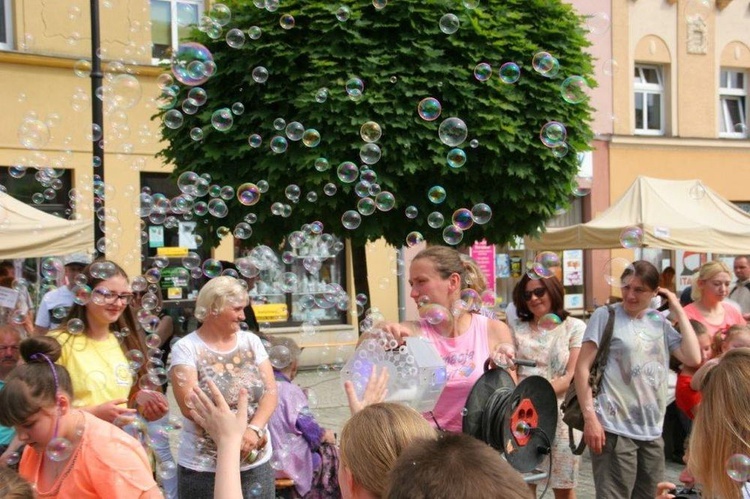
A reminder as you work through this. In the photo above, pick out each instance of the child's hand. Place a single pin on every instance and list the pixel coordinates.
(216, 417)
(375, 391)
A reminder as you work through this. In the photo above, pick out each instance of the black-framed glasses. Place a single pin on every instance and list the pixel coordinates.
(538, 292)
(110, 297)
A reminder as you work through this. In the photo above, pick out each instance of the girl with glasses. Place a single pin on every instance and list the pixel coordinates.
(546, 333)
(440, 286)
(103, 350)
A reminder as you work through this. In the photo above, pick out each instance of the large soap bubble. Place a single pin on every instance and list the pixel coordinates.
(190, 64)
(453, 132)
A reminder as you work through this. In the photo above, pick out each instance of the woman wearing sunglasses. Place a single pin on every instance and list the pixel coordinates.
(546, 333)
(103, 350)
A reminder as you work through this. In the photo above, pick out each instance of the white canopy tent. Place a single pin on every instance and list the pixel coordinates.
(26, 232)
(673, 214)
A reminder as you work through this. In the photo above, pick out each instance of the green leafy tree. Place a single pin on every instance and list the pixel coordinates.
(402, 56)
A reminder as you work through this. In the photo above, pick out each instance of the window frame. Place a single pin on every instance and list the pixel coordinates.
(732, 93)
(7, 7)
(646, 89)
(173, 25)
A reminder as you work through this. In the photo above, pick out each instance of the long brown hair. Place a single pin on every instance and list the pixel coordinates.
(131, 341)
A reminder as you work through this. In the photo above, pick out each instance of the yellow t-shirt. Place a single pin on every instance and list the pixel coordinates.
(98, 369)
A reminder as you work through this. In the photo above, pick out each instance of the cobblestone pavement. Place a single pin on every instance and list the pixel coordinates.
(328, 401)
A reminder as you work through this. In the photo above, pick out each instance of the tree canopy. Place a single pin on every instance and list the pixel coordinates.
(315, 53)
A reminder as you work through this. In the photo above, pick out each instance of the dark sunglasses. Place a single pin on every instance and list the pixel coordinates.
(538, 292)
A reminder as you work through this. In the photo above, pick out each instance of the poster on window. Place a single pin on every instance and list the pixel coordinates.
(484, 255)
(573, 268)
(687, 263)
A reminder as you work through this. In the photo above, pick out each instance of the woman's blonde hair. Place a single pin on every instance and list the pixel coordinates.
(722, 424)
(217, 293)
(374, 437)
(448, 261)
(707, 271)
(13, 486)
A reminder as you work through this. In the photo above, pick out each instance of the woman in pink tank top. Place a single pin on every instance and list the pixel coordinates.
(462, 337)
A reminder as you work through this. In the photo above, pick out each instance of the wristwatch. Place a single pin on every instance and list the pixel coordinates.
(260, 431)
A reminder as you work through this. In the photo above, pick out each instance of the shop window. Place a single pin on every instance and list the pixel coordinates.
(45, 189)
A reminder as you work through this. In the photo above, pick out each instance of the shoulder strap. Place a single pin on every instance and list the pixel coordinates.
(602, 353)
(747, 285)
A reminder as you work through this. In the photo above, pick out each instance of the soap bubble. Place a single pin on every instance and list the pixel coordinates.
(254, 32)
(462, 219)
(343, 13)
(189, 63)
(198, 94)
(167, 470)
(549, 322)
(196, 134)
(574, 89)
(413, 238)
(631, 237)
(436, 194)
(75, 326)
(598, 23)
(33, 134)
(355, 88)
(452, 235)
(279, 144)
(370, 153)
(311, 137)
(235, 38)
(510, 72)
(220, 14)
(173, 119)
(482, 71)
(238, 108)
(13, 458)
(481, 213)
(59, 449)
(613, 270)
(294, 131)
(456, 158)
(449, 24)
(347, 172)
(553, 133)
(370, 131)
(522, 429)
(286, 21)
(351, 219)
(280, 356)
(429, 109)
(697, 191)
(222, 119)
(385, 201)
(453, 132)
(545, 263)
(321, 95)
(366, 206)
(435, 220)
(212, 268)
(435, 314)
(135, 359)
(322, 164)
(260, 74)
(560, 150)
(411, 212)
(545, 64)
(738, 468)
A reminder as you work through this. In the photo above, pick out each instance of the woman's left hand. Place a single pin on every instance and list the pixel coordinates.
(669, 296)
(153, 405)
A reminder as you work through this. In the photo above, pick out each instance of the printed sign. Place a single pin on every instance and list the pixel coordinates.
(484, 255)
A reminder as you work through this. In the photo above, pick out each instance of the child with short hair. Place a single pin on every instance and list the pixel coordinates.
(302, 449)
(737, 336)
(686, 399)
(69, 452)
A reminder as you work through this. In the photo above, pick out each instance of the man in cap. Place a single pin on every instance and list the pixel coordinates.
(55, 304)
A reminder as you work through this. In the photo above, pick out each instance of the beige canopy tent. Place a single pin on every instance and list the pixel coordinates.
(26, 232)
(673, 214)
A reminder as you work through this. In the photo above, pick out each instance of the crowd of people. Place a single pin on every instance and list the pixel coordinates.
(81, 397)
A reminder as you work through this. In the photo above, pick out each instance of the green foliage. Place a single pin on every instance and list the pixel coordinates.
(402, 56)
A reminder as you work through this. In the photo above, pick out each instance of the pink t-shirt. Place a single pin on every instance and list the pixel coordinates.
(732, 316)
(464, 358)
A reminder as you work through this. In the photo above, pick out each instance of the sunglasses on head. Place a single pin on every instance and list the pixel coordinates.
(538, 292)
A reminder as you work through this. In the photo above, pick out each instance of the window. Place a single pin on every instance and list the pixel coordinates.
(172, 21)
(648, 85)
(6, 26)
(733, 104)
